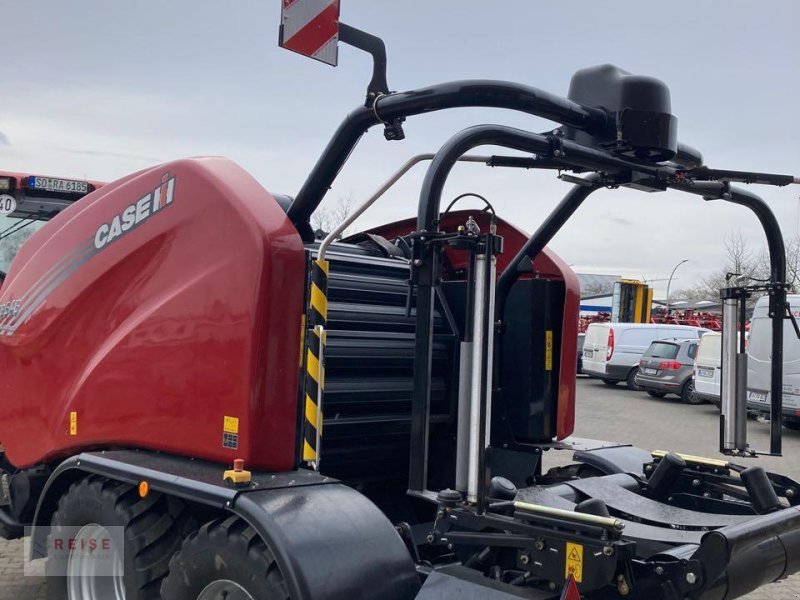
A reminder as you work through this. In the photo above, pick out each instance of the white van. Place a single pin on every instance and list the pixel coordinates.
(707, 367)
(759, 351)
(611, 351)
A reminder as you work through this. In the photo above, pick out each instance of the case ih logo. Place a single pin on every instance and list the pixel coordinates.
(137, 213)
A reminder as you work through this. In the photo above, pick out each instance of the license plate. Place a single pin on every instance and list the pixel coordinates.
(649, 371)
(705, 372)
(760, 397)
(51, 184)
(588, 353)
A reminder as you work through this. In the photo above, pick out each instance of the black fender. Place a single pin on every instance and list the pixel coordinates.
(329, 540)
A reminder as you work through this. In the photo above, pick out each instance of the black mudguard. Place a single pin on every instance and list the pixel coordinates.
(330, 542)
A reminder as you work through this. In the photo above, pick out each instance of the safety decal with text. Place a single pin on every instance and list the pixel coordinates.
(230, 433)
(548, 350)
(574, 562)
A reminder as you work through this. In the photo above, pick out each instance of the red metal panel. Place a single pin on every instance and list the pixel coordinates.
(547, 265)
(189, 316)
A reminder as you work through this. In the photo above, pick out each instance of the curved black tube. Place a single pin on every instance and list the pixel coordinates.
(573, 155)
(479, 93)
(777, 277)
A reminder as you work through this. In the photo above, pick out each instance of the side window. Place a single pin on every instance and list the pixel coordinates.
(692, 351)
(637, 337)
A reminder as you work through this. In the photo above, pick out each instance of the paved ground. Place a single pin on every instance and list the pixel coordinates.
(603, 413)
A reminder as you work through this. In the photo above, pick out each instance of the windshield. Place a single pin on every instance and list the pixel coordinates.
(13, 233)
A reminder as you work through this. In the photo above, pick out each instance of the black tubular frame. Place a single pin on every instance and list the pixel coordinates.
(455, 94)
(684, 172)
(777, 288)
(609, 170)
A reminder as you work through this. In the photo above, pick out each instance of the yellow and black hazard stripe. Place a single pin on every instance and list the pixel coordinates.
(315, 361)
(318, 299)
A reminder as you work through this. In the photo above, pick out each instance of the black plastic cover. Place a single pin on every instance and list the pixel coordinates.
(640, 120)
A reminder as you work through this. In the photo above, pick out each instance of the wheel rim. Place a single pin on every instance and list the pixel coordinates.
(88, 577)
(224, 589)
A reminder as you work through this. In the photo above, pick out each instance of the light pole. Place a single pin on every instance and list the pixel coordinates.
(670, 280)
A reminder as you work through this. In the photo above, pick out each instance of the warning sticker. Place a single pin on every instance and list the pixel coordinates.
(230, 425)
(73, 423)
(548, 350)
(574, 563)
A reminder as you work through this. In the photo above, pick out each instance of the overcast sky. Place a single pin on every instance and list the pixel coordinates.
(97, 89)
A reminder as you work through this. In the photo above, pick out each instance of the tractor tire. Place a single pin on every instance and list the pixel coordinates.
(687, 394)
(225, 558)
(149, 530)
(630, 381)
(610, 382)
(656, 394)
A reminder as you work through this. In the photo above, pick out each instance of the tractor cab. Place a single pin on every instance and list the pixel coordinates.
(27, 202)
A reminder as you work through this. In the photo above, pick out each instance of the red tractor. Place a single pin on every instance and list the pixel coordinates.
(228, 407)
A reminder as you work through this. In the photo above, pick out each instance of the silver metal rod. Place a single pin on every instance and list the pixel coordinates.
(463, 431)
(490, 350)
(729, 391)
(333, 235)
(569, 515)
(475, 399)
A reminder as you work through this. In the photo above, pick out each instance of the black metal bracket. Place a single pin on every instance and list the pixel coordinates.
(374, 46)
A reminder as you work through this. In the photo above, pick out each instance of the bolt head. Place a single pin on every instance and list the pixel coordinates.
(691, 578)
(695, 482)
(417, 262)
(539, 545)
(608, 550)
(790, 493)
(429, 538)
(524, 559)
(659, 570)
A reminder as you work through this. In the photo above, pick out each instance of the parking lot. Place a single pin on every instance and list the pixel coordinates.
(610, 413)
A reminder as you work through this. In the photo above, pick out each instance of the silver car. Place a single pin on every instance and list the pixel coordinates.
(667, 367)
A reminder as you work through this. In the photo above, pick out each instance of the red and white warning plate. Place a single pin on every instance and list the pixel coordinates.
(311, 28)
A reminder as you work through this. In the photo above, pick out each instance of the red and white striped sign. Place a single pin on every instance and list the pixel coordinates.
(311, 28)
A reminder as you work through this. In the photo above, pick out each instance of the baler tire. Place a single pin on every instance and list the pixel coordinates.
(226, 551)
(152, 528)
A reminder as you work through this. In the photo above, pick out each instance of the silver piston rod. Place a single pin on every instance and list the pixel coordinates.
(733, 389)
(477, 348)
